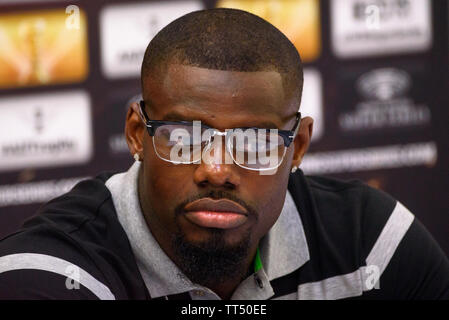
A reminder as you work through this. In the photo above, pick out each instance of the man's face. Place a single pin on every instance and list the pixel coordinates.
(222, 100)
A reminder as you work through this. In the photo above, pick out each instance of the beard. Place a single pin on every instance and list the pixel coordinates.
(213, 262)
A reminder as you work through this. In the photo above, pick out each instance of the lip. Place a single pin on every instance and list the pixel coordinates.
(221, 214)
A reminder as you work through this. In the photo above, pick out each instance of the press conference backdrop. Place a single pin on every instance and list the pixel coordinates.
(376, 83)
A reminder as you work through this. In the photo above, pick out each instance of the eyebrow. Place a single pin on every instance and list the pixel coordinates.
(176, 116)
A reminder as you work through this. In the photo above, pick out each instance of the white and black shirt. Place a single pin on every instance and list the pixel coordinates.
(333, 240)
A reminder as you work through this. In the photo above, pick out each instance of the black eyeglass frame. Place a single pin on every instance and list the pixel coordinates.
(287, 135)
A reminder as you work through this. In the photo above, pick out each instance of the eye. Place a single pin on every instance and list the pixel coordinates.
(164, 133)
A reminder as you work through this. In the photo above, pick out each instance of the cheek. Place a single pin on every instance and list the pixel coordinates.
(269, 194)
(160, 176)
(165, 184)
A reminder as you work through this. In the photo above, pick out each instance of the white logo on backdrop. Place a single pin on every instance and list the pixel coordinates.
(383, 84)
(385, 103)
(371, 158)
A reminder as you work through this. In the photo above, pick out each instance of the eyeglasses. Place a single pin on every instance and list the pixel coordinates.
(188, 142)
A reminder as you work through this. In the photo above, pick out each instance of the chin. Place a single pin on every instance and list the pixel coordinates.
(213, 258)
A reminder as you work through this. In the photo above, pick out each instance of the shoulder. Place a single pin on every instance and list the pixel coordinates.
(74, 247)
(68, 212)
(351, 194)
(352, 212)
(356, 228)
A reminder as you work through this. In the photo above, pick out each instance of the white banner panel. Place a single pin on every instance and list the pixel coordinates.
(48, 129)
(377, 27)
(126, 29)
(312, 101)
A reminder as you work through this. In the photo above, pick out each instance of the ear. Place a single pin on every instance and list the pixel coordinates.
(302, 140)
(134, 130)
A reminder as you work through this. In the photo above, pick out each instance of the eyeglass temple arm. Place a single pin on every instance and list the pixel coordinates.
(297, 124)
(142, 112)
(145, 118)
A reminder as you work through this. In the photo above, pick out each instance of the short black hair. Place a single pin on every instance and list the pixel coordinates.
(225, 39)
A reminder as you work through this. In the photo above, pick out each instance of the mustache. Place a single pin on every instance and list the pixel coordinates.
(216, 195)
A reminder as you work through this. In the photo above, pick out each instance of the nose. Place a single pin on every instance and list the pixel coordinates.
(217, 175)
(215, 168)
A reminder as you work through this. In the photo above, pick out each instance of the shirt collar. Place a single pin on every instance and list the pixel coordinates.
(283, 250)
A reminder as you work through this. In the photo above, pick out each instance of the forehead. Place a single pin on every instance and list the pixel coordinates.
(200, 91)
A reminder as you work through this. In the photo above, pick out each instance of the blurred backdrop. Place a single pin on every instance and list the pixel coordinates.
(376, 83)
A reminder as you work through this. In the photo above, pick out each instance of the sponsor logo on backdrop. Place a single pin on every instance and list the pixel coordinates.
(377, 27)
(126, 30)
(372, 158)
(35, 47)
(385, 102)
(312, 101)
(35, 192)
(45, 130)
(299, 20)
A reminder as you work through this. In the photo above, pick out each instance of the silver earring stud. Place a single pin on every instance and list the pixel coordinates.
(294, 168)
(136, 157)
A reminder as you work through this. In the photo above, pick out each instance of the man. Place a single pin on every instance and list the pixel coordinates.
(208, 223)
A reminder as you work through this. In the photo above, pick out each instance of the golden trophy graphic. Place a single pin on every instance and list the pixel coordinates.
(37, 48)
